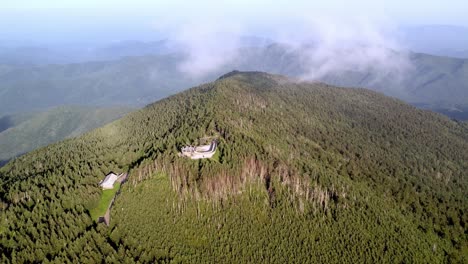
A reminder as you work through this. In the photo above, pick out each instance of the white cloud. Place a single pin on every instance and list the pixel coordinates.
(208, 44)
(329, 43)
(353, 44)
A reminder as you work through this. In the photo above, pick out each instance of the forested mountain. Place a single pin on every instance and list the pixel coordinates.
(304, 172)
(438, 83)
(21, 133)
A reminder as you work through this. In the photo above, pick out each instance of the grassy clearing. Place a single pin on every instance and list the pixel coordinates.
(106, 198)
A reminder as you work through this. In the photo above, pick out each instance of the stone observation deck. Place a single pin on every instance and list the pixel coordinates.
(200, 152)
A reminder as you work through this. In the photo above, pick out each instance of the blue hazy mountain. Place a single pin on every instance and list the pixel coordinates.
(433, 82)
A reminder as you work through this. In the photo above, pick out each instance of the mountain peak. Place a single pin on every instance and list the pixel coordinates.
(258, 78)
(241, 73)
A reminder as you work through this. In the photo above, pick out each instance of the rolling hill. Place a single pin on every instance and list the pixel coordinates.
(21, 133)
(304, 172)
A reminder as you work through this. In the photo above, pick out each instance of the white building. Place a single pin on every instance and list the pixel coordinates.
(200, 152)
(108, 182)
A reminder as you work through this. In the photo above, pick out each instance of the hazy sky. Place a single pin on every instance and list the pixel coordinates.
(332, 36)
(108, 20)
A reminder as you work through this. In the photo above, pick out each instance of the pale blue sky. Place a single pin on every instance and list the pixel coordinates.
(62, 20)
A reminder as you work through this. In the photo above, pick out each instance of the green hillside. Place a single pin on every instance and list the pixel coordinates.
(306, 172)
(21, 133)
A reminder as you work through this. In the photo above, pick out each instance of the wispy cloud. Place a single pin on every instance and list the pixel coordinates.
(208, 45)
(328, 42)
(347, 45)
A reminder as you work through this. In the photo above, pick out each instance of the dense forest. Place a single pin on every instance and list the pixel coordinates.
(304, 172)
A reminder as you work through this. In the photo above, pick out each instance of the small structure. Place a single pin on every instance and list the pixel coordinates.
(108, 182)
(200, 152)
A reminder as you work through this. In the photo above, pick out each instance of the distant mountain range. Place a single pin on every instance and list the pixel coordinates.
(39, 55)
(433, 82)
(36, 55)
(129, 81)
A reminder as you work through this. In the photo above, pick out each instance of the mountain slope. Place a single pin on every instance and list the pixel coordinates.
(305, 172)
(28, 131)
